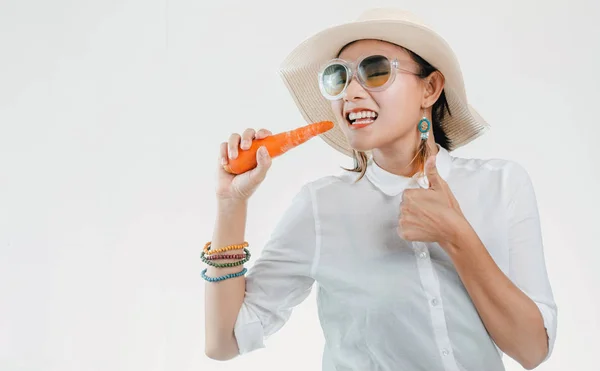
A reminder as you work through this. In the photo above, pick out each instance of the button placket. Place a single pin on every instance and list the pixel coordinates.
(431, 289)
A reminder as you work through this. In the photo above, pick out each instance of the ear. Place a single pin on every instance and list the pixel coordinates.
(434, 85)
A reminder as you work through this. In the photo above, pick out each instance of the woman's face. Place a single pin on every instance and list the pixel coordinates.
(398, 107)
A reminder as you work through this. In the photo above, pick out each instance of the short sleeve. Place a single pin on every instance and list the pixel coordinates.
(281, 277)
(527, 262)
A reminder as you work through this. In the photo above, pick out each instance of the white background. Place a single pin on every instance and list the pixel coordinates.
(111, 113)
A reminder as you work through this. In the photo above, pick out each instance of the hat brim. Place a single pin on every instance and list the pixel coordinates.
(300, 69)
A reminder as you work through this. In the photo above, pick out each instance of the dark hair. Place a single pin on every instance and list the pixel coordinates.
(438, 112)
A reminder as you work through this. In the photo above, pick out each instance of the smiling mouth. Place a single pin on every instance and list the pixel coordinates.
(361, 118)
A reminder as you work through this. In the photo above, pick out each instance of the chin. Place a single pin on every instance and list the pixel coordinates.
(361, 146)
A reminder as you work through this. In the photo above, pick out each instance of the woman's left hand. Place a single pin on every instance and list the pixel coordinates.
(433, 214)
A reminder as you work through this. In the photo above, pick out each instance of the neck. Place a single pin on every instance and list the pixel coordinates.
(396, 158)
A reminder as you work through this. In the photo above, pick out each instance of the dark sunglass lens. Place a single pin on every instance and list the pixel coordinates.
(375, 70)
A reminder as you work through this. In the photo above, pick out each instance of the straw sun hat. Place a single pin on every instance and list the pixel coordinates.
(300, 69)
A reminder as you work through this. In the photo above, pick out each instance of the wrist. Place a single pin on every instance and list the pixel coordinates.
(230, 204)
(460, 236)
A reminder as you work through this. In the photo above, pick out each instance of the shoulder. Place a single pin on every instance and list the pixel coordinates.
(509, 171)
(506, 179)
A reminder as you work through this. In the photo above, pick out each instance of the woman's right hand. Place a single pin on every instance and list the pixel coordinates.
(231, 187)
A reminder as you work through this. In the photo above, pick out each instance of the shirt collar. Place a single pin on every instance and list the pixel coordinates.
(392, 184)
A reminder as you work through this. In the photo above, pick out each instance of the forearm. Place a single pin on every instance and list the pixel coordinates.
(224, 299)
(510, 316)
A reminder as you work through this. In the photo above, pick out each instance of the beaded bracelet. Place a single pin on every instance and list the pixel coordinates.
(222, 278)
(221, 257)
(225, 265)
(208, 251)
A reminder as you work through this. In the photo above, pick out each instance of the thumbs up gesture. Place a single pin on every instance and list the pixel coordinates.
(433, 214)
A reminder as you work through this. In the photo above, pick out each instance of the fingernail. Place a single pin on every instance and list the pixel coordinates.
(223, 161)
(245, 144)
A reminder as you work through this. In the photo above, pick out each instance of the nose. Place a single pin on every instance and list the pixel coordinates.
(354, 91)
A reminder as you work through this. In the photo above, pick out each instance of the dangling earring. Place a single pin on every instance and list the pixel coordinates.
(423, 150)
(424, 127)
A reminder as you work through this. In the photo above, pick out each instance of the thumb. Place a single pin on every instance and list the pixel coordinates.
(435, 181)
(263, 160)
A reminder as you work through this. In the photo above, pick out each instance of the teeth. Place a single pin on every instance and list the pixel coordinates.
(361, 114)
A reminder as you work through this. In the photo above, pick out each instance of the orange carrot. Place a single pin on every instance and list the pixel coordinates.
(276, 145)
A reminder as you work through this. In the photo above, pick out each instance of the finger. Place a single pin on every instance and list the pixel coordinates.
(263, 160)
(407, 194)
(233, 144)
(408, 220)
(405, 208)
(400, 232)
(262, 133)
(415, 234)
(415, 196)
(247, 137)
(402, 224)
(405, 232)
(435, 181)
(223, 154)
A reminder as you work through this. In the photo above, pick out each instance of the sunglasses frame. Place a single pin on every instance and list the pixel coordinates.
(352, 71)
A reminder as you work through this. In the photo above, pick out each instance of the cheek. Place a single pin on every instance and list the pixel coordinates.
(404, 94)
(337, 107)
(400, 103)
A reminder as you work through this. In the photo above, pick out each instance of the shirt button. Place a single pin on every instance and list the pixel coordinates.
(423, 255)
(434, 302)
(445, 352)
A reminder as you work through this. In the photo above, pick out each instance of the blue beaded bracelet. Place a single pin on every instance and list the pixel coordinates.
(225, 277)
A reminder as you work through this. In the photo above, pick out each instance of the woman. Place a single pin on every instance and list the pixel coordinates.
(424, 261)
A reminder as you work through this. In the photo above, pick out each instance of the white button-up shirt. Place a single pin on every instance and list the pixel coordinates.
(385, 303)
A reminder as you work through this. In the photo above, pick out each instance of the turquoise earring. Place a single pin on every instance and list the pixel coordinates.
(424, 126)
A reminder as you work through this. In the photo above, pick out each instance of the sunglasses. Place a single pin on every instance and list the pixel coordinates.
(374, 73)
